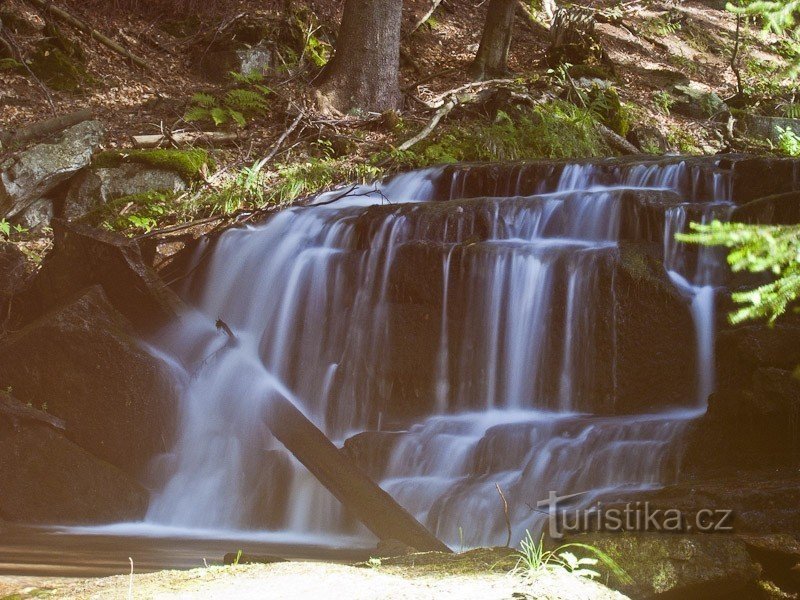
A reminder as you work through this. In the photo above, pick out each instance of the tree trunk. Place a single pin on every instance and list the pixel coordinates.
(364, 72)
(350, 485)
(492, 57)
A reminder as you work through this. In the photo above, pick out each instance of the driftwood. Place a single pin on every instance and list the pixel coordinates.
(187, 138)
(81, 26)
(350, 485)
(42, 128)
(18, 411)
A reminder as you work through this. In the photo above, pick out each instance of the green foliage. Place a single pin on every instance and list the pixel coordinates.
(189, 164)
(7, 229)
(554, 130)
(757, 248)
(779, 16)
(534, 559)
(788, 142)
(9, 64)
(238, 105)
(790, 110)
(663, 101)
(139, 213)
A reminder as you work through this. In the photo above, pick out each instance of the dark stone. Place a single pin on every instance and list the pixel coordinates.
(48, 479)
(15, 271)
(372, 450)
(679, 567)
(780, 209)
(83, 256)
(648, 139)
(757, 177)
(82, 363)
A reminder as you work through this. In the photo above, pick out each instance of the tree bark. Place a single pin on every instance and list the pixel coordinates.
(492, 57)
(364, 72)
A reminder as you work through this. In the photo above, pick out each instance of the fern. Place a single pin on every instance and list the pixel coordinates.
(245, 101)
(204, 100)
(197, 113)
(219, 115)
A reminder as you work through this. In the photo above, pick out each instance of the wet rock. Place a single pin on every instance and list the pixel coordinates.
(29, 175)
(685, 567)
(83, 256)
(650, 335)
(48, 479)
(372, 450)
(96, 187)
(780, 209)
(389, 548)
(643, 213)
(14, 275)
(82, 363)
(757, 177)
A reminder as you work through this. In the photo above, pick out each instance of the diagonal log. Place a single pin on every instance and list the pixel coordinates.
(370, 504)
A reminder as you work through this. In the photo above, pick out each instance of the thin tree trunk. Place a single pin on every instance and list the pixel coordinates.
(492, 58)
(364, 73)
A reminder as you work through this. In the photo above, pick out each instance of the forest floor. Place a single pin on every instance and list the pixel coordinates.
(655, 44)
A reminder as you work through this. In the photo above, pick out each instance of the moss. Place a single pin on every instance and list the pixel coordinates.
(554, 130)
(186, 163)
(57, 69)
(605, 103)
(9, 64)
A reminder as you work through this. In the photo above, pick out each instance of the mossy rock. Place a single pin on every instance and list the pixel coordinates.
(613, 114)
(9, 64)
(189, 164)
(57, 69)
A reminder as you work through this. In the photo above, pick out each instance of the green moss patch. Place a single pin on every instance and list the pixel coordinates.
(57, 69)
(189, 164)
(479, 560)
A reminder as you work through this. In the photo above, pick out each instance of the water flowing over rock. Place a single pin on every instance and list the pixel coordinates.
(82, 363)
(531, 326)
(31, 174)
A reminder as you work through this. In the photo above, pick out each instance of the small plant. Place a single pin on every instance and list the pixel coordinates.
(238, 558)
(663, 101)
(790, 110)
(6, 229)
(374, 562)
(244, 102)
(788, 142)
(535, 559)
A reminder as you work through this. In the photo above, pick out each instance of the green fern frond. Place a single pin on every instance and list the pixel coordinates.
(196, 113)
(220, 116)
(237, 117)
(245, 101)
(204, 100)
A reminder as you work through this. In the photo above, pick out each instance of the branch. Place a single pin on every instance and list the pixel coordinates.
(283, 137)
(54, 125)
(424, 18)
(441, 113)
(616, 141)
(81, 26)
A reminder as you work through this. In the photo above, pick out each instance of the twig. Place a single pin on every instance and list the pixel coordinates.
(283, 137)
(439, 100)
(440, 114)
(735, 57)
(130, 586)
(10, 41)
(505, 513)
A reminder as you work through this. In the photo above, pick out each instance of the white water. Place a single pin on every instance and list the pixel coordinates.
(325, 300)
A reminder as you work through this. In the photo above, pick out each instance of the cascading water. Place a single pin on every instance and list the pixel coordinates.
(490, 330)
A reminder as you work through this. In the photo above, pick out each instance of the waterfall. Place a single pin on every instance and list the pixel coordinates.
(475, 320)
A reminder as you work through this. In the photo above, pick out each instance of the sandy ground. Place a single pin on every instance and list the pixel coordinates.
(308, 580)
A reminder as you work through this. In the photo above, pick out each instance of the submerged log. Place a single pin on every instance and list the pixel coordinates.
(370, 504)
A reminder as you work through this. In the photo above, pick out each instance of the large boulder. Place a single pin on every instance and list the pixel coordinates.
(31, 174)
(680, 567)
(96, 187)
(15, 271)
(48, 479)
(779, 209)
(82, 363)
(84, 256)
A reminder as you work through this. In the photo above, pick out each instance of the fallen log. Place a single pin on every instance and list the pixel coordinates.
(26, 133)
(371, 505)
(617, 142)
(81, 26)
(187, 138)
